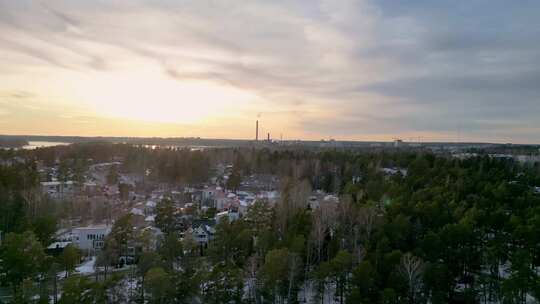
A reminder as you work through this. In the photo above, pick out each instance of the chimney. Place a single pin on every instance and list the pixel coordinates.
(269, 137)
(257, 130)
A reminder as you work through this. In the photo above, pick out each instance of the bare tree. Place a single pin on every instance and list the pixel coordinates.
(251, 271)
(367, 217)
(299, 194)
(33, 199)
(318, 232)
(294, 266)
(359, 254)
(411, 268)
(347, 215)
(324, 221)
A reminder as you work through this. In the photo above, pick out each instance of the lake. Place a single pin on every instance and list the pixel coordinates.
(43, 144)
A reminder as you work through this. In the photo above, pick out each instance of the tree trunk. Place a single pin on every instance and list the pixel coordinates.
(55, 298)
(142, 289)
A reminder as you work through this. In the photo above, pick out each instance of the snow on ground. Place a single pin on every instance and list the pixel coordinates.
(308, 293)
(505, 270)
(87, 267)
(61, 275)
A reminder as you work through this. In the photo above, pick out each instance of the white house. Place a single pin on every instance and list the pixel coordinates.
(90, 238)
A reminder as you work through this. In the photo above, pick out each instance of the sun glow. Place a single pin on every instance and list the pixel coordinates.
(150, 96)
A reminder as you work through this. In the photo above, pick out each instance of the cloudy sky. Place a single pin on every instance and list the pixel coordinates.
(364, 69)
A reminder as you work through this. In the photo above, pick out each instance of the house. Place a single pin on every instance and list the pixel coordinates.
(56, 248)
(318, 198)
(230, 214)
(90, 238)
(90, 188)
(150, 207)
(246, 196)
(203, 231)
(243, 206)
(221, 200)
(137, 211)
(210, 194)
(56, 189)
(393, 171)
(50, 187)
(331, 198)
(271, 196)
(202, 235)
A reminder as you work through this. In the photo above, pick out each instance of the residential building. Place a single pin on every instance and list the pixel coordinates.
(91, 238)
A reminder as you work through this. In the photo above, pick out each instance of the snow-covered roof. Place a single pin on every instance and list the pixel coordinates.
(212, 230)
(244, 203)
(272, 194)
(137, 211)
(331, 197)
(393, 171)
(56, 245)
(223, 213)
(94, 227)
(155, 230)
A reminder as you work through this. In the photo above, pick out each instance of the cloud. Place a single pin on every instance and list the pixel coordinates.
(353, 69)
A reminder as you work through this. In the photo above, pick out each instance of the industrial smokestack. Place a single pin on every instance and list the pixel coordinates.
(268, 137)
(257, 130)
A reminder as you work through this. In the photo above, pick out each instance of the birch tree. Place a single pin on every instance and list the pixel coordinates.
(411, 268)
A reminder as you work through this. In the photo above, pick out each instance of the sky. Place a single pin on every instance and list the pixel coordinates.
(316, 69)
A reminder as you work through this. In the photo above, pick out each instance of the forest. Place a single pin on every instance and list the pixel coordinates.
(437, 230)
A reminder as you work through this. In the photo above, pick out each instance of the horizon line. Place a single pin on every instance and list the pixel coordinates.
(274, 140)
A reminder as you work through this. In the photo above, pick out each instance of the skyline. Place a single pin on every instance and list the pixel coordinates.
(353, 70)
